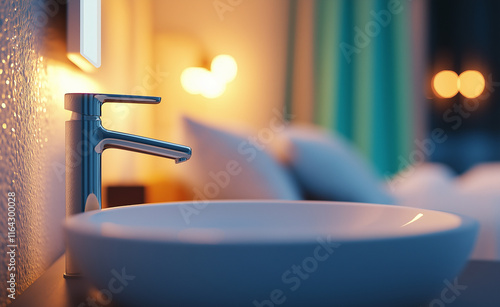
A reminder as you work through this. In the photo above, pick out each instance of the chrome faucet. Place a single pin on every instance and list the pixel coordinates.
(86, 139)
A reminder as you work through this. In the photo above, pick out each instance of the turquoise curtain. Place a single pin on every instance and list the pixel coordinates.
(362, 75)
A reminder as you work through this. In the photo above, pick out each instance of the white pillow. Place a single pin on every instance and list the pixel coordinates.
(482, 178)
(225, 165)
(429, 178)
(328, 168)
(436, 187)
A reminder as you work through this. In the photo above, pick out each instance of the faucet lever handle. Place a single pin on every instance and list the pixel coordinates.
(127, 98)
(90, 104)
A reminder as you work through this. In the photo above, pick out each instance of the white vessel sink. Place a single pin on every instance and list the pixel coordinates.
(270, 253)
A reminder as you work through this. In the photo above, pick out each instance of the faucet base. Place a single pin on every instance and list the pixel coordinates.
(72, 276)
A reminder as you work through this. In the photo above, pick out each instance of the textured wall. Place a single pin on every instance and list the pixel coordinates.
(31, 144)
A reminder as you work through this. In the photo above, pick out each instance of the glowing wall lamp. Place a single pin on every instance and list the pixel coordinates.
(210, 83)
(84, 33)
(447, 83)
(471, 83)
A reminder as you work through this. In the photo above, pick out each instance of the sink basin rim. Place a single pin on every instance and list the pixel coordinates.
(80, 222)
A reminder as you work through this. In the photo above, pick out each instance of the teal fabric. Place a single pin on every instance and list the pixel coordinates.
(363, 82)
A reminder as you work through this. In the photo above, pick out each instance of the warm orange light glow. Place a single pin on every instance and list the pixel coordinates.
(210, 83)
(81, 62)
(198, 80)
(471, 83)
(224, 66)
(65, 79)
(445, 84)
(212, 86)
(192, 79)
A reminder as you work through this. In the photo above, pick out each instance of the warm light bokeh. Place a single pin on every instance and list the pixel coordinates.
(224, 66)
(192, 79)
(210, 83)
(471, 83)
(445, 84)
(198, 80)
(212, 86)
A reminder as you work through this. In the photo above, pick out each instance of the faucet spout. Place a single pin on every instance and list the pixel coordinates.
(113, 139)
(86, 139)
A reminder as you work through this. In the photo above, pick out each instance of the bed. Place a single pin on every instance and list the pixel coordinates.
(304, 162)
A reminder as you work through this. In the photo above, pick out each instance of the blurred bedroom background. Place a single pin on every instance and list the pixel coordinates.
(382, 101)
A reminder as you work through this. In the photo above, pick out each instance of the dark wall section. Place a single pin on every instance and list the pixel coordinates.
(464, 35)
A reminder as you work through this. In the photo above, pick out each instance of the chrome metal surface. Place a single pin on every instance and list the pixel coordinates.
(86, 139)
